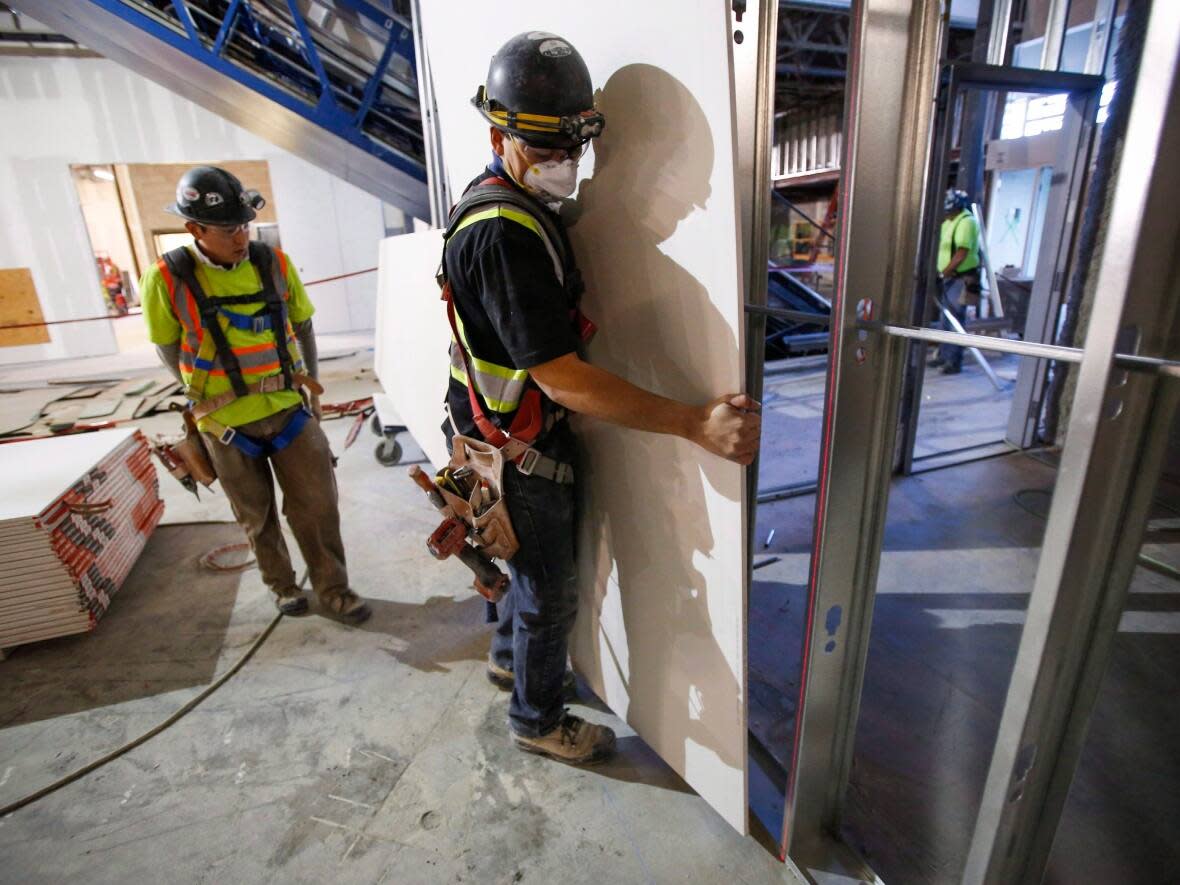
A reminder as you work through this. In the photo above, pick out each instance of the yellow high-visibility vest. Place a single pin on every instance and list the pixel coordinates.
(960, 232)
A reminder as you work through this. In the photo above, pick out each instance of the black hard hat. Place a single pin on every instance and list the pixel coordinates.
(955, 199)
(539, 89)
(208, 195)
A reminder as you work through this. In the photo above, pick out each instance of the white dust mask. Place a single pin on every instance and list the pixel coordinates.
(554, 179)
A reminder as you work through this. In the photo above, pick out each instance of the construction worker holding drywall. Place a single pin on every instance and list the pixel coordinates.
(512, 288)
(232, 321)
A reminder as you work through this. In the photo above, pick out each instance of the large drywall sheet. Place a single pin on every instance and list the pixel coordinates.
(661, 629)
(412, 360)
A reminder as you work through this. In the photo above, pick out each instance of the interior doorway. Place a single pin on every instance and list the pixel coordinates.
(122, 207)
(1018, 143)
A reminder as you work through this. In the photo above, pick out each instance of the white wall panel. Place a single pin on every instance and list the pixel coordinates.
(661, 631)
(413, 335)
(60, 111)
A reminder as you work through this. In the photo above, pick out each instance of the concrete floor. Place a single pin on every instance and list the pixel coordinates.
(379, 754)
(957, 411)
(371, 754)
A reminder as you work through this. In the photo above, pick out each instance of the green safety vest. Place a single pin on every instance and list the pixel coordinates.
(955, 236)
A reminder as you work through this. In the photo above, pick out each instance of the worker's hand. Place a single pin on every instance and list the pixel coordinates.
(731, 426)
(317, 411)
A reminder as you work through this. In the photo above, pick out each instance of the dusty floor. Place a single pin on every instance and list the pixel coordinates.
(958, 411)
(372, 754)
(379, 754)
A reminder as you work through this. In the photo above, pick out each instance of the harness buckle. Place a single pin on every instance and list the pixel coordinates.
(527, 462)
(227, 436)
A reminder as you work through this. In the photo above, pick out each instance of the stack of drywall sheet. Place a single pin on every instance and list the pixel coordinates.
(75, 513)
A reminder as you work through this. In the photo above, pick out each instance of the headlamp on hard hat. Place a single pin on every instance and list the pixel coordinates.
(541, 129)
(253, 199)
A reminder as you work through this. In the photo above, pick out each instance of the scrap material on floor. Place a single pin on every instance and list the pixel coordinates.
(75, 514)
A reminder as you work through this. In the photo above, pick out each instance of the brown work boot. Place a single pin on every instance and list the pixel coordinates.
(574, 740)
(346, 605)
(291, 601)
(504, 679)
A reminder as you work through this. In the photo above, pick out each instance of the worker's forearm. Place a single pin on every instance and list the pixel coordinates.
(600, 394)
(958, 258)
(305, 335)
(169, 355)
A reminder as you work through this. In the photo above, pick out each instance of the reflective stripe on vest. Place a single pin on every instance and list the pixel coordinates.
(501, 387)
(198, 355)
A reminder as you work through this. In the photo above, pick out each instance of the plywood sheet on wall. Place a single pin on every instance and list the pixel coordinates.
(661, 625)
(19, 305)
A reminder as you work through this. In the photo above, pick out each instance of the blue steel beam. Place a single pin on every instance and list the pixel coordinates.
(326, 112)
(327, 103)
(374, 84)
(186, 19)
(227, 27)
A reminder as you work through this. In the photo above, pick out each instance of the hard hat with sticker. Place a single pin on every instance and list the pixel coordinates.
(555, 48)
(213, 199)
(190, 194)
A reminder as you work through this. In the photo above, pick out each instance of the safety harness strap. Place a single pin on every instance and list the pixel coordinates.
(269, 384)
(528, 423)
(496, 190)
(183, 267)
(261, 321)
(181, 263)
(262, 258)
(258, 448)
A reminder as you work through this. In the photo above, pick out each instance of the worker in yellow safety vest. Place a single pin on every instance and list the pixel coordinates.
(232, 321)
(958, 271)
(512, 289)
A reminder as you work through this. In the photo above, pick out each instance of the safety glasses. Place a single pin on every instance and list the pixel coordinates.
(548, 155)
(227, 230)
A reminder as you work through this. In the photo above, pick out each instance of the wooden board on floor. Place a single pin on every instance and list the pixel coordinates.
(19, 304)
(661, 627)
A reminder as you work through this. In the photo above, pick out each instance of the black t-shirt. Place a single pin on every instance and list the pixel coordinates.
(515, 311)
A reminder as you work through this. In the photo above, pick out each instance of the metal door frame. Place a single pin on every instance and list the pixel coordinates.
(1064, 206)
(888, 114)
(1117, 434)
(1115, 443)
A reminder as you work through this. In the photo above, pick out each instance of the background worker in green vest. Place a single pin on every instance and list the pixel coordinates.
(231, 320)
(958, 267)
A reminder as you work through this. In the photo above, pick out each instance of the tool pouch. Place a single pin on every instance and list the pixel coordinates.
(493, 534)
(192, 453)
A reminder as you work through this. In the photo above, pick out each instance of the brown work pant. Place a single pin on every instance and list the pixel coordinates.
(305, 474)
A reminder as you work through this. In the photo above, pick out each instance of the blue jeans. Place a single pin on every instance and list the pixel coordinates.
(537, 615)
(952, 354)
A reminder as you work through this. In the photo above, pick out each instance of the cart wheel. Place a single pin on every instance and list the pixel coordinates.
(375, 425)
(388, 452)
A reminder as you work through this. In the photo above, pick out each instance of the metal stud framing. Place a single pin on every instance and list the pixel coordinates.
(888, 109)
(1113, 452)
